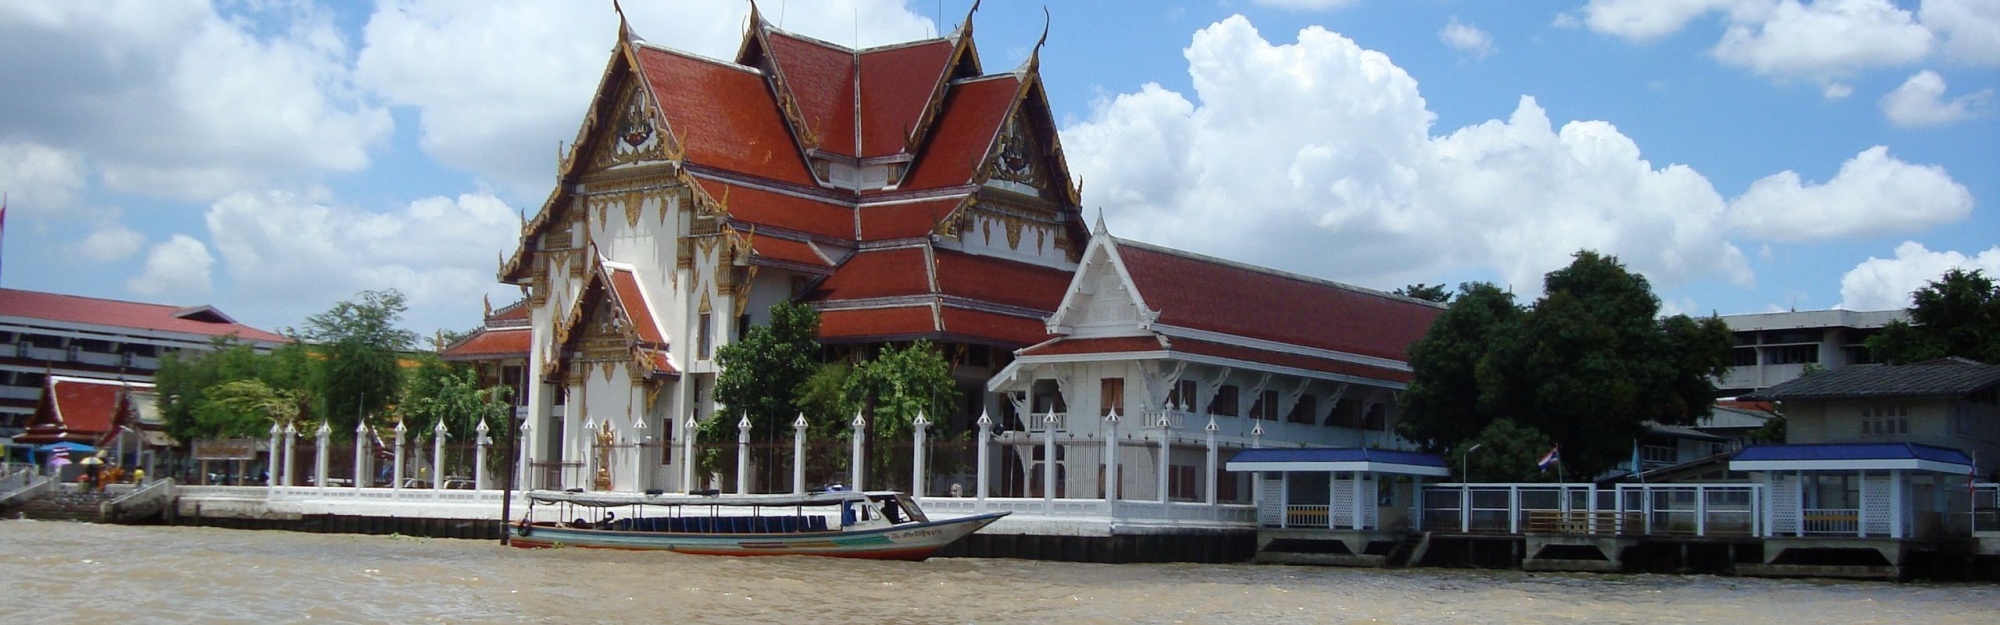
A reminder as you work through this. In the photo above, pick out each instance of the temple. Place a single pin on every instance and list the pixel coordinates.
(902, 191)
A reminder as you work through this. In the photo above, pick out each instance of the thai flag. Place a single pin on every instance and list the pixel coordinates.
(1549, 460)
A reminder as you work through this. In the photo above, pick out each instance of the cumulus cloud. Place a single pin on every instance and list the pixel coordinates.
(176, 99)
(1920, 102)
(1886, 283)
(1466, 38)
(110, 241)
(1318, 156)
(38, 179)
(175, 270)
(301, 248)
(1307, 5)
(1970, 28)
(1873, 193)
(502, 116)
(1824, 41)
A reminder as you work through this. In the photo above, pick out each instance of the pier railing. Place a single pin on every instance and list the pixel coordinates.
(1134, 512)
(1628, 509)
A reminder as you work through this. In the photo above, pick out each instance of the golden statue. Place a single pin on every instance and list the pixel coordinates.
(605, 440)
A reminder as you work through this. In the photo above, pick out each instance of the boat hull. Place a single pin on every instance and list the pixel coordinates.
(909, 541)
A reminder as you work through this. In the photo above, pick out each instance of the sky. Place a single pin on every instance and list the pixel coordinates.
(274, 157)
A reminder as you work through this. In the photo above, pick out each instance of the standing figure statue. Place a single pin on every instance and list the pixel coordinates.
(605, 439)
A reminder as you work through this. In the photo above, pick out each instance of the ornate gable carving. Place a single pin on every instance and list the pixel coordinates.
(635, 134)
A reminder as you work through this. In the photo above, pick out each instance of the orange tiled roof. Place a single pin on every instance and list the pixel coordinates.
(974, 111)
(488, 343)
(202, 321)
(849, 325)
(724, 115)
(966, 323)
(896, 84)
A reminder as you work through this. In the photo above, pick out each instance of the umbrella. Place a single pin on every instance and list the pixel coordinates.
(92, 460)
(57, 461)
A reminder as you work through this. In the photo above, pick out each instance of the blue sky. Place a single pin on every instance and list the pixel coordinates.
(274, 157)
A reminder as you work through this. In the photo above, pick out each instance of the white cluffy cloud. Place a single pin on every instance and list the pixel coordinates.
(1466, 38)
(110, 241)
(1920, 102)
(176, 99)
(1307, 5)
(498, 106)
(40, 180)
(1886, 283)
(1318, 156)
(176, 270)
(1824, 41)
(1781, 208)
(297, 250)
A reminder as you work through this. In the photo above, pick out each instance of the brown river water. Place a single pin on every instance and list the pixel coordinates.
(56, 572)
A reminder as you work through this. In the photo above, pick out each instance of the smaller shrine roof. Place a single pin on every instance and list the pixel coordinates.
(489, 343)
(78, 409)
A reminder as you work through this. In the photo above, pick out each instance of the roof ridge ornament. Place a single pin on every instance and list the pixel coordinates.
(1034, 62)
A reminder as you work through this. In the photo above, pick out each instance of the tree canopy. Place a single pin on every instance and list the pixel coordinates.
(1957, 314)
(763, 373)
(359, 347)
(1433, 292)
(1587, 365)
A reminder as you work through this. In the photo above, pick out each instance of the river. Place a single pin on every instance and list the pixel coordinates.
(56, 572)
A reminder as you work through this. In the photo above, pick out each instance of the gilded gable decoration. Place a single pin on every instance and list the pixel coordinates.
(637, 135)
(1020, 155)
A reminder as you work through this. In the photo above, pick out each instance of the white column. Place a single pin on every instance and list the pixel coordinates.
(639, 443)
(291, 452)
(921, 431)
(401, 431)
(437, 456)
(1333, 502)
(1213, 460)
(319, 455)
(523, 440)
(1111, 483)
(276, 431)
(1166, 453)
(1896, 503)
(688, 431)
(361, 477)
(854, 461)
(1364, 495)
(985, 440)
(1049, 455)
(799, 455)
(479, 459)
(1861, 514)
(743, 455)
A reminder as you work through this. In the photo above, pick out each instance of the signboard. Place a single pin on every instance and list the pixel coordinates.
(226, 449)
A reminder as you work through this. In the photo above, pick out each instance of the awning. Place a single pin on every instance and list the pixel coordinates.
(1331, 459)
(1852, 457)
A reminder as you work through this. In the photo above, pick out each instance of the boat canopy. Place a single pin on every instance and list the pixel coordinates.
(619, 499)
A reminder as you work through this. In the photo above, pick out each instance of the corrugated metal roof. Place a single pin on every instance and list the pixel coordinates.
(1944, 377)
(1851, 451)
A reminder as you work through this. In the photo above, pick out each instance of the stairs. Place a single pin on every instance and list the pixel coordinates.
(66, 506)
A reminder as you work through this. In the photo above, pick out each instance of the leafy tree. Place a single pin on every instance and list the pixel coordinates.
(1956, 315)
(359, 346)
(763, 374)
(1588, 365)
(892, 389)
(440, 391)
(1433, 292)
(186, 378)
(248, 408)
(1506, 453)
(1441, 406)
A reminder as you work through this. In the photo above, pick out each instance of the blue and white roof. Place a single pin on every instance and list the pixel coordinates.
(1851, 457)
(1339, 459)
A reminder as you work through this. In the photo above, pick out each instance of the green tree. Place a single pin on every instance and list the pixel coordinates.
(438, 391)
(359, 346)
(1587, 365)
(1441, 406)
(1506, 453)
(1433, 292)
(763, 374)
(249, 407)
(892, 389)
(1957, 314)
(186, 378)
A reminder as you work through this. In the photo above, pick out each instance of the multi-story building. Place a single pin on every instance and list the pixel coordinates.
(51, 335)
(1775, 347)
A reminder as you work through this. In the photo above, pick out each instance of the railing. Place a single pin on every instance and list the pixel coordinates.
(1125, 512)
(1985, 508)
(1176, 419)
(34, 487)
(1831, 521)
(1630, 509)
(1308, 516)
(140, 502)
(1039, 422)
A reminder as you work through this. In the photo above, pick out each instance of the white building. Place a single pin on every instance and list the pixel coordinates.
(1773, 348)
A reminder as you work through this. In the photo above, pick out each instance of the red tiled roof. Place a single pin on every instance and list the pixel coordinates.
(517, 311)
(624, 286)
(122, 314)
(663, 364)
(724, 114)
(896, 85)
(765, 208)
(875, 323)
(490, 343)
(1111, 345)
(973, 113)
(905, 220)
(1001, 281)
(877, 273)
(1282, 359)
(979, 324)
(822, 81)
(786, 250)
(1209, 294)
(77, 409)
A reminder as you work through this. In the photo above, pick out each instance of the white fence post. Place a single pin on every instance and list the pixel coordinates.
(1111, 489)
(920, 431)
(860, 432)
(319, 455)
(985, 440)
(360, 452)
(689, 431)
(1049, 457)
(799, 455)
(437, 453)
(743, 455)
(401, 431)
(291, 451)
(1213, 464)
(479, 458)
